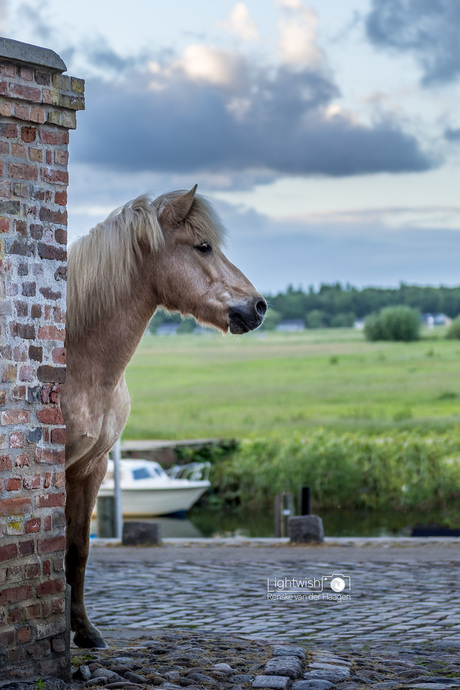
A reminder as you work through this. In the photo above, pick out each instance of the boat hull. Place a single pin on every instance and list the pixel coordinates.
(164, 501)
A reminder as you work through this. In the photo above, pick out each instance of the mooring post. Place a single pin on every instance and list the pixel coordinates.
(284, 509)
(305, 500)
(117, 505)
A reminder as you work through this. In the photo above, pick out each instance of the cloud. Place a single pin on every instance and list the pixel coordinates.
(429, 29)
(452, 134)
(298, 35)
(275, 252)
(211, 111)
(199, 63)
(242, 24)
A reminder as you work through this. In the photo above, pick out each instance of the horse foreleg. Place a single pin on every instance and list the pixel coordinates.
(81, 498)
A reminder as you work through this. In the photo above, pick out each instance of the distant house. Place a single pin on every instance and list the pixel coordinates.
(291, 325)
(167, 329)
(432, 320)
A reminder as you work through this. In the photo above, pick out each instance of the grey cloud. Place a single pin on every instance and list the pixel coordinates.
(452, 134)
(274, 253)
(427, 28)
(270, 123)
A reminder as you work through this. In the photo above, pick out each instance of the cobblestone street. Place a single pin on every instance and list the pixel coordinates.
(397, 599)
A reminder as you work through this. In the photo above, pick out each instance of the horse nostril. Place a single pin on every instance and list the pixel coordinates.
(261, 307)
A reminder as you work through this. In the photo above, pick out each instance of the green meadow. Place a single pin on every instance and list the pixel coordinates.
(190, 386)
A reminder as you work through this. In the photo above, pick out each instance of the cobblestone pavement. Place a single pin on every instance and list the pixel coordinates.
(393, 601)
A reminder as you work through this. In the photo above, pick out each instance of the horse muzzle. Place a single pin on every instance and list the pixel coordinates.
(246, 316)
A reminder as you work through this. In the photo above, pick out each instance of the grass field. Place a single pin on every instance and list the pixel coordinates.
(213, 386)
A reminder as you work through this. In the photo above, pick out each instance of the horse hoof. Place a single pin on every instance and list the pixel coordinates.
(90, 640)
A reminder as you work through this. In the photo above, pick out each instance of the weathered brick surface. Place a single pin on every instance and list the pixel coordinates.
(37, 108)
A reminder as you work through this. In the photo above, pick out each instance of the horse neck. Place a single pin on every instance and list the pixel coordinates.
(104, 352)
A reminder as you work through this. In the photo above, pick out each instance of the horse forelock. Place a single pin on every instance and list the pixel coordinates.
(202, 221)
(101, 264)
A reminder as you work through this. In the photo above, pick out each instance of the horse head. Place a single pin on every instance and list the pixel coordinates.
(192, 274)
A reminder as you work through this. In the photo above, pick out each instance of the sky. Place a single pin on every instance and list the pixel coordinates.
(326, 133)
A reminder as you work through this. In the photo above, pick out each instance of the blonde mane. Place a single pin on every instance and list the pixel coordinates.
(101, 264)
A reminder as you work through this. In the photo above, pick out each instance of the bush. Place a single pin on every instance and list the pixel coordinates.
(393, 323)
(316, 319)
(348, 470)
(454, 329)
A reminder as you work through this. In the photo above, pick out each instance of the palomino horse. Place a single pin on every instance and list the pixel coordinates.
(148, 254)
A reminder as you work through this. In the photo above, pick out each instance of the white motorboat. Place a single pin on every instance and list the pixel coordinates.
(146, 489)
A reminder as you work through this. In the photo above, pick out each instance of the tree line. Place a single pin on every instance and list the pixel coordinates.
(336, 305)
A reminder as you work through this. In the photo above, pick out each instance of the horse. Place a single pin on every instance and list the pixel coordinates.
(164, 252)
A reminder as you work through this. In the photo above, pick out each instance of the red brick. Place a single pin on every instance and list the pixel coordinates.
(54, 176)
(36, 155)
(8, 552)
(47, 482)
(50, 457)
(54, 137)
(58, 355)
(58, 436)
(50, 587)
(60, 198)
(13, 484)
(29, 93)
(50, 415)
(16, 417)
(59, 606)
(18, 150)
(51, 500)
(4, 224)
(15, 506)
(15, 615)
(22, 460)
(26, 548)
(51, 545)
(23, 171)
(47, 523)
(50, 394)
(16, 440)
(34, 611)
(28, 134)
(48, 251)
(22, 112)
(26, 73)
(23, 634)
(60, 235)
(16, 594)
(46, 568)
(32, 481)
(37, 115)
(7, 638)
(8, 131)
(32, 570)
(5, 463)
(33, 525)
(61, 157)
(51, 333)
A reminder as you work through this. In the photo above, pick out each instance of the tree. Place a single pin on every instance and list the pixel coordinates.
(454, 329)
(393, 323)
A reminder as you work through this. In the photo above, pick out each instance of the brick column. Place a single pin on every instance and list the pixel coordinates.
(38, 106)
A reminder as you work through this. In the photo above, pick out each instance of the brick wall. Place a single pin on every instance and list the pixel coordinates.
(37, 108)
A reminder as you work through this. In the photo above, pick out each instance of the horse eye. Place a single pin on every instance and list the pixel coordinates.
(204, 248)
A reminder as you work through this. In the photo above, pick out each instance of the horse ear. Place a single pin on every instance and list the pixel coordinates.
(182, 206)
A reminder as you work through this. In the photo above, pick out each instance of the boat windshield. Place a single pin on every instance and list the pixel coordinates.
(147, 472)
